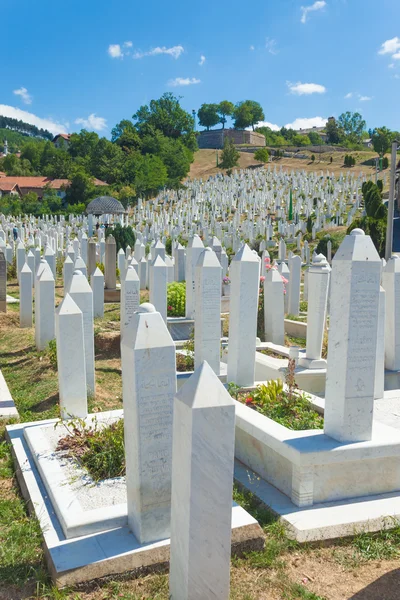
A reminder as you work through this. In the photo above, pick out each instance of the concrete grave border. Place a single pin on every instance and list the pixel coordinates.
(105, 553)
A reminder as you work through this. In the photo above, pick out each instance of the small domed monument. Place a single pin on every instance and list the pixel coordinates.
(105, 205)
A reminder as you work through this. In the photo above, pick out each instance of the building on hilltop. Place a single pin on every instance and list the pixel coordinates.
(61, 140)
(214, 138)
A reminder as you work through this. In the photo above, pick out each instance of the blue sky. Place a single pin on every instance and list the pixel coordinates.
(92, 63)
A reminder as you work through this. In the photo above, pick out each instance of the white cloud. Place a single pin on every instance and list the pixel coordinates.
(175, 51)
(305, 88)
(390, 46)
(128, 44)
(202, 60)
(396, 56)
(306, 123)
(23, 93)
(92, 122)
(307, 9)
(252, 47)
(364, 98)
(349, 95)
(23, 115)
(272, 126)
(271, 46)
(183, 81)
(114, 50)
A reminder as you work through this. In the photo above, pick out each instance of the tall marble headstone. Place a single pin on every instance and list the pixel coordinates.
(202, 473)
(353, 334)
(3, 282)
(207, 319)
(149, 386)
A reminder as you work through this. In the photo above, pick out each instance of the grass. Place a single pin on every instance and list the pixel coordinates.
(100, 450)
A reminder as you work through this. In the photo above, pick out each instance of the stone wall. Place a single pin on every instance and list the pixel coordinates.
(215, 138)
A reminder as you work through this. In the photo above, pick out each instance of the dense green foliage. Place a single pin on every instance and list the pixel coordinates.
(349, 160)
(176, 299)
(262, 155)
(153, 150)
(247, 113)
(124, 236)
(230, 156)
(208, 115)
(225, 109)
(374, 223)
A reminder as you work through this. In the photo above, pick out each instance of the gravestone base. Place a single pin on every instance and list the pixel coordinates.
(310, 380)
(180, 328)
(8, 409)
(327, 521)
(392, 380)
(98, 552)
(112, 295)
(312, 363)
(321, 487)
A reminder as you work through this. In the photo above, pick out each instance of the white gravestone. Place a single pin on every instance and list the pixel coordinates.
(202, 474)
(71, 360)
(274, 316)
(207, 319)
(318, 286)
(294, 287)
(111, 263)
(352, 345)
(81, 293)
(380, 350)
(130, 299)
(245, 281)
(158, 286)
(149, 387)
(97, 285)
(25, 297)
(391, 285)
(194, 249)
(68, 271)
(44, 308)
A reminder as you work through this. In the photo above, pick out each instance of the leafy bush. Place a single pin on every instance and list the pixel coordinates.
(262, 155)
(176, 299)
(101, 267)
(52, 353)
(336, 238)
(100, 450)
(376, 228)
(124, 236)
(385, 162)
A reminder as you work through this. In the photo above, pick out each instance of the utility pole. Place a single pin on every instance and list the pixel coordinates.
(390, 216)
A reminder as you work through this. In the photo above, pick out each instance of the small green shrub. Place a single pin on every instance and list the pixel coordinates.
(262, 155)
(52, 353)
(101, 267)
(176, 299)
(100, 450)
(12, 269)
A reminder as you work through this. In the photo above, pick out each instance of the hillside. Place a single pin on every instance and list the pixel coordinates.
(15, 139)
(204, 164)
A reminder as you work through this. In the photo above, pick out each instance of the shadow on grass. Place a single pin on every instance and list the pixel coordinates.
(17, 352)
(109, 370)
(46, 404)
(386, 587)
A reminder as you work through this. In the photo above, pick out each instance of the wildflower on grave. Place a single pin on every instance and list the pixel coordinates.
(262, 279)
(226, 280)
(249, 400)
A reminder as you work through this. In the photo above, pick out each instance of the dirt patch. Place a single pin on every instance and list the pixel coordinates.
(107, 345)
(322, 574)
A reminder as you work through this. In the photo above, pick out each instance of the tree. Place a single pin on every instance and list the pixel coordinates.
(126, 195)
(247, 113)
(312, 157)
(381, 140)
(126, 136)
(352, 125)
(262, 155)
(230, 156)
(332, 131)
(225, 109)
(301, 140)
(124, 236)
(208, 115)
(81, 188)
(165, 114)
(315, 139)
